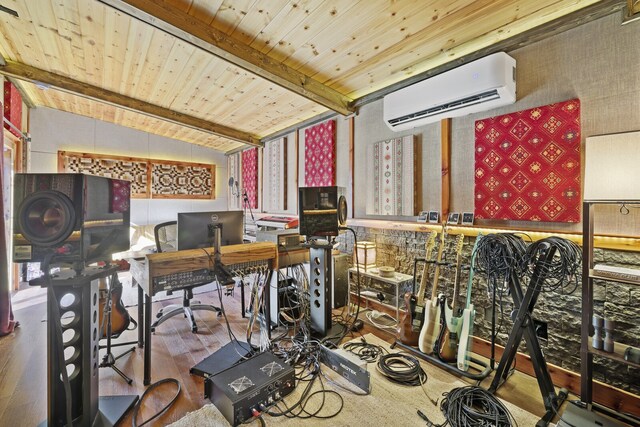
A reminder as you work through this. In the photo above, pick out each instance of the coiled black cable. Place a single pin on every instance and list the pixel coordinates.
(498, 255)
(364, 350)
(472, 406)
(562, 270)
(402, 369)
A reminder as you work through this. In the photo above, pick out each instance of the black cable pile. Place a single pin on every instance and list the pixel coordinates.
(561, 273)
(402, 369)
(364, 350)
(498, 255)
(473, 406)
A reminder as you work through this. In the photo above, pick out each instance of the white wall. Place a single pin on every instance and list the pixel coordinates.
(53, 130)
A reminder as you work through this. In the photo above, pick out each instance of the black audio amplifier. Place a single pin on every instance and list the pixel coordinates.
(240, 391)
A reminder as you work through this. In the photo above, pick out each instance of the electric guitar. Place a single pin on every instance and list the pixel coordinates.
(452, 326)
(409, 328)
(120, 319)
(431, 324)
(468, 317)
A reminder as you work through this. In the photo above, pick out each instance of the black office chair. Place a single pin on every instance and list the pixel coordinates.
(164, 235)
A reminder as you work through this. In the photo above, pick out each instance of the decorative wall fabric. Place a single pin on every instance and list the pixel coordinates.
(320, 154)
(390, 177)
(234, 166)
(527, 164)
(12, 107)
(250, 175)
(178, 180)
(120, 193)
(274, 185)
(150, 178)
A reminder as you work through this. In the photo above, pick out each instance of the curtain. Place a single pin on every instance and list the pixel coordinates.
(6, 314)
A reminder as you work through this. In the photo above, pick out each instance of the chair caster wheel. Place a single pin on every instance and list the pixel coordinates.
(219, 314)
(159, 315)
(153, 330)
(194, 329)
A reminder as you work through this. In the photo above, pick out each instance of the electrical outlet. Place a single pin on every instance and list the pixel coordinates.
(541, 329)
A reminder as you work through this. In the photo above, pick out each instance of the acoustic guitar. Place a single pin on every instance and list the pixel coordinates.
(452, 325)
(120, 318)
(468, 317)
(409, 327)
(431, 324)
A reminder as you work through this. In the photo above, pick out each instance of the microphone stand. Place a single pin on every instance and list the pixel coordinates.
(245, 198)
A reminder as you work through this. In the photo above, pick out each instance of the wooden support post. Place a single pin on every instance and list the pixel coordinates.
(445, 140)
(351, 164)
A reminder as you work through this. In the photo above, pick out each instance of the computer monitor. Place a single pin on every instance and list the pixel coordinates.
(196, 229)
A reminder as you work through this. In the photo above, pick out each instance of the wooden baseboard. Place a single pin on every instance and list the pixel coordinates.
(603, 394)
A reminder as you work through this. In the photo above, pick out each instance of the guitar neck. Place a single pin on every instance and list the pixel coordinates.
(426, 269)
(459, 244)
(436, 271)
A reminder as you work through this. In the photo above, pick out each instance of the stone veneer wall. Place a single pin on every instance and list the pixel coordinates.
(562, 312)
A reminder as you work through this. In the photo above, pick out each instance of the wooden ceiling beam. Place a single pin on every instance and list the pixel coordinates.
(35, 75)
(171, 20)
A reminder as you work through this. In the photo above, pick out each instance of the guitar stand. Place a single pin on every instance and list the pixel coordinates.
(109, 360)
(523, 325)
(447, 366)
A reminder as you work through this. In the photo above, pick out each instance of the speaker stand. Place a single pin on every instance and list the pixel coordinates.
(76, 297)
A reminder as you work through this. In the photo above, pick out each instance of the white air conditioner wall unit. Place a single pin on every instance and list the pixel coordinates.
(480, 85)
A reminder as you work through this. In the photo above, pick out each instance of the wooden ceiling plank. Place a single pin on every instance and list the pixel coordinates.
(445, 42)
(138, 44)
(172, 73)
(286, 21)
(92, 27)
(187, 28)
(116, 34)
(398, 25)
(25, 72)
(312, 25)
(332, 34)
(205, 10)
(230, 13)
(256, 19)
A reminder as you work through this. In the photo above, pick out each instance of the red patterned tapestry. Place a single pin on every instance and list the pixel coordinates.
(120, 195)
(528, 164)
(320, 155)
(12, 107)
(250, 175)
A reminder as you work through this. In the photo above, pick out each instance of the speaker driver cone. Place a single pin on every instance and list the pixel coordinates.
(342, 211)
(46, 217)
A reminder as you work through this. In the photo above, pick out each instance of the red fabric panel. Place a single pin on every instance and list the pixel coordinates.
(120, 195)
(320, 155)
(250, 175)
(527, 164)
(12, 107)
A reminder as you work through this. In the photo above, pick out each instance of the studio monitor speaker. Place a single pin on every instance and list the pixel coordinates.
(323, 210)
(80, 218)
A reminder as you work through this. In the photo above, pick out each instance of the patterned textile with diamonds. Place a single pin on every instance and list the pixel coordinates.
(527, 164)
(250, 176)
(320, 154)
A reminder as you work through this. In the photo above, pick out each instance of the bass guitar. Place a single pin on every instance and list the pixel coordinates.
(468, 317)
(409, 328)
(431, 324)
(451, 327)
(120, 318)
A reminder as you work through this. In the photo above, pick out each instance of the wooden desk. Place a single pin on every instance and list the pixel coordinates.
(166, 263)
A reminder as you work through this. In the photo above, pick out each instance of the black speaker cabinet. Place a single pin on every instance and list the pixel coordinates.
(322, 211)
(78, 217)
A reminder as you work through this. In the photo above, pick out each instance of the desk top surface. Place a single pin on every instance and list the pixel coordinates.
(375, 274)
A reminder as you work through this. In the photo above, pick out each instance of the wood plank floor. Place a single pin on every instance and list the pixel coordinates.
(23, 356)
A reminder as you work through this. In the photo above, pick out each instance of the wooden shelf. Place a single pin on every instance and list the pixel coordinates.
(618, 353)
(594, 275)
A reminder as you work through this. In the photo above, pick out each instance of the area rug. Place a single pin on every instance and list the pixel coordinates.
(389, 404)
